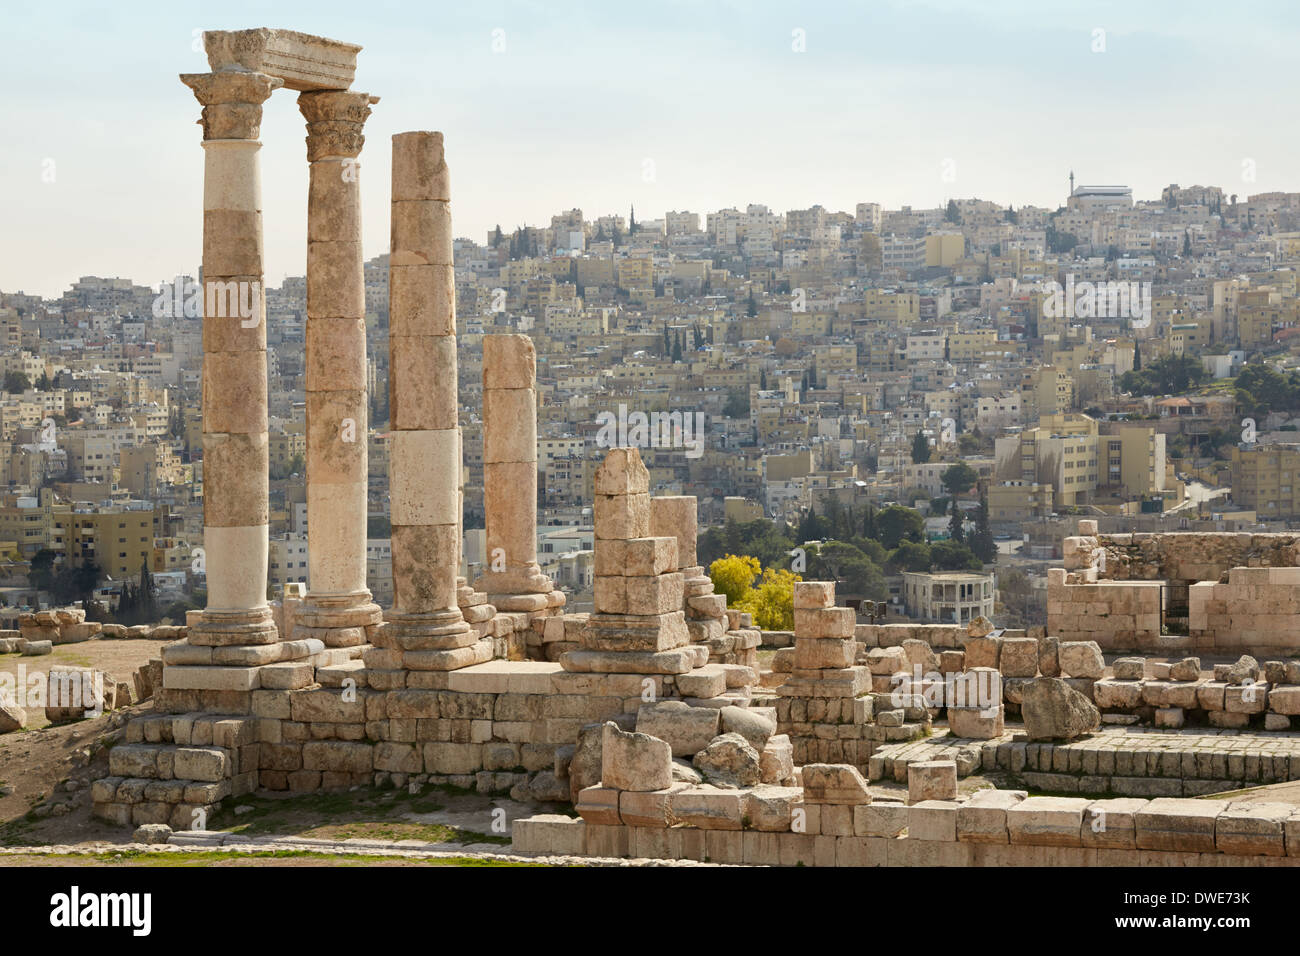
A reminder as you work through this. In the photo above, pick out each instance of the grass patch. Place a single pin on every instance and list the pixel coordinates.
(232, 857)
(364, 814)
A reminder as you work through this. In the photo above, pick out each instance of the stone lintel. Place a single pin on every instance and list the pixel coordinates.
(303, 61)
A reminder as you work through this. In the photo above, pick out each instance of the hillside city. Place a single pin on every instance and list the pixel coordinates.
(917, 403)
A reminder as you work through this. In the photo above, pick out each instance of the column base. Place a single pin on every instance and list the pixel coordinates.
(220, 628)
(517, 589)
(337, 620)
(436, 641)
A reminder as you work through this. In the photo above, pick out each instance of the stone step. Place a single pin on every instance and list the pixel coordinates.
(173, 762)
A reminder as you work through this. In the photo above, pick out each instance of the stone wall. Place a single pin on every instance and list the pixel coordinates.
(494, 727)
(990, 828)
(1159, 593)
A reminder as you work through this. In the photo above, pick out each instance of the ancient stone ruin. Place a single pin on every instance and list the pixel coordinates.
(647, 715)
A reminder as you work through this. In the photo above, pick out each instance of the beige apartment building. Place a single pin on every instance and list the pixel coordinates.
(1266, 478)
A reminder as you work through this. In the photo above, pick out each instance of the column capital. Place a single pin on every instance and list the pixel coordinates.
(232, 102)
(334, 122)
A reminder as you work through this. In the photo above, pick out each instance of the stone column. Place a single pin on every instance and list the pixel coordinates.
(338, 608)
(235, 486)
(425, 631)
(512, 578)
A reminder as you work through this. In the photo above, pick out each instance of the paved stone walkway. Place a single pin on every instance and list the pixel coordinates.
(1126, 761)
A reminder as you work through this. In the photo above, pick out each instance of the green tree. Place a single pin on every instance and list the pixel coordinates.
(737, 405)
(958, 479)
(955, 522)
(953, 556)
(16, 382)
(897, 523)
(981, 541)
(844, 563)
(920, 448)
(40, 574)
(909, 556)
(952, 213)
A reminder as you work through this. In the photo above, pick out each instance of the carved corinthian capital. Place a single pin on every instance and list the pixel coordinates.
(334, 122)
(232, 102)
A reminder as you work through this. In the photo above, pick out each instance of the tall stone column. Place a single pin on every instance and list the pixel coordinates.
(236, 624)
(338, 608)
(425, 630)
(512, 578)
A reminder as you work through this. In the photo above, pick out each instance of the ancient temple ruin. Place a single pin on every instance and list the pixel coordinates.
(647, 715)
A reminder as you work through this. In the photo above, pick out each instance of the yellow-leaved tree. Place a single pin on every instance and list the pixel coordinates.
(772, 602)
(733, 575)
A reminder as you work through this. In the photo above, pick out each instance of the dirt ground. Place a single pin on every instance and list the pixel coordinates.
(120, 659)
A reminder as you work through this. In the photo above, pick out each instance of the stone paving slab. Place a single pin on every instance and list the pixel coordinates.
(1128, 761)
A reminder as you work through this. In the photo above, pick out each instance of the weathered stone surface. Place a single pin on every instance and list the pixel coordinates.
(585, 766)
(983, 818)
(931, 780)
(152, 833)
(1129, 668)
(836, 784)
(634, 761)
(1081, 659)
(776, 762)
(687, 729)
(1018, 657)
(1246, 668)
(729, 761)
(1189, 668)
(12, 717)
(1046, 821)
(1052, 710)
(754, 727)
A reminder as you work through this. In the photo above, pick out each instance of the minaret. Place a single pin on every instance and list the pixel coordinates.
(1072, 182)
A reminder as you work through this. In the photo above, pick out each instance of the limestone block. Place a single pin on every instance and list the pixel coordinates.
(933, 821)
(1252, 829)
(839, 784)
(811, 654)
(776, 762)
(1081, 659)
(1250, 698)
(1047, 821)
(509, 362)
(510, 425)
(647, 808)
(650, 557)
(757, 728)
(622, 516)
(1117, 694)
(1171, 823)
(622, 473)
(1129, 668)
(885, 820)
(983, 818)
(1018, 657)
(686, 729)
(729, 761)
(814, 594)
(635, 761)
(931, 780)
(655, 594)
(709, 808)
(599, 805)
(676, 516)
(827, 622)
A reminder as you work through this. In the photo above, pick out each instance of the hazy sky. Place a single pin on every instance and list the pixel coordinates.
(1006, 96)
